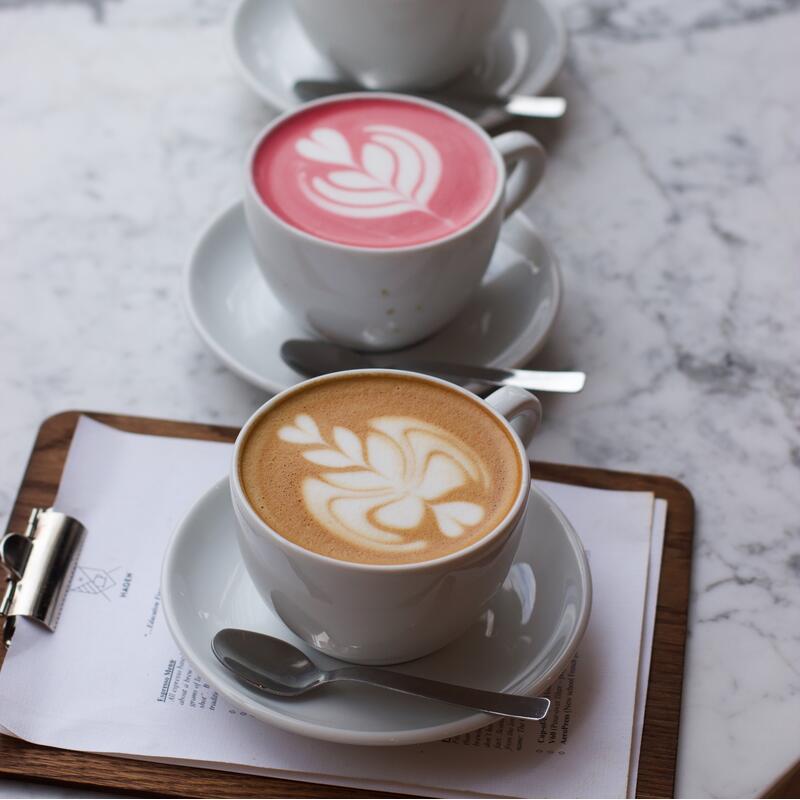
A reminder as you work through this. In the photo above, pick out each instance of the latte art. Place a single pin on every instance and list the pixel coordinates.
(379, 468)
(397, 172)
(382, 172)
(386, 484)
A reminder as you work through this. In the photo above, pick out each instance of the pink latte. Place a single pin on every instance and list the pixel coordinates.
(375, 172)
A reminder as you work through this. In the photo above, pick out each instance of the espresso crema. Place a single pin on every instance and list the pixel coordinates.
(380, 469)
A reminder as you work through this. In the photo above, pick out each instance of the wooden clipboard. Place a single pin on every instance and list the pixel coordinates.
(19, 759)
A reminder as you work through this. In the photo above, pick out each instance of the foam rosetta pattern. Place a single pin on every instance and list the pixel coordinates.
(395, 172)
(381, 492)
(375, 172)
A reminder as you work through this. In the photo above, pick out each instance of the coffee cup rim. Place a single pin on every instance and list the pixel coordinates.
(506, 524)
(491, 205)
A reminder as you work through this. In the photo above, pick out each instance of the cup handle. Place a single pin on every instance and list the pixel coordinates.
(525, 159)
(522, 410)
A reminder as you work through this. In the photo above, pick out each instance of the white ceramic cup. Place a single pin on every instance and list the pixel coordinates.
(400, 44)
(379, 613)
(383, 298)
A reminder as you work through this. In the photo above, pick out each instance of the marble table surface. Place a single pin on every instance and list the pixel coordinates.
(671, 198)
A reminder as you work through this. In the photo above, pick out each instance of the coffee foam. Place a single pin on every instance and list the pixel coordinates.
(375, 172)
(380, 469)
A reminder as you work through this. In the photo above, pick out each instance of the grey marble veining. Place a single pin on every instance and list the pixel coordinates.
(671, 198)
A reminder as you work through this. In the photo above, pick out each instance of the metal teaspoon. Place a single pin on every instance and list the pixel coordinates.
(319, 358)
(521, 105)
(279, 668)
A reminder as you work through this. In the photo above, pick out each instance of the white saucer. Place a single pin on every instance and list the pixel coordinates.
(271, 52)
(519, 645)
(242, 322)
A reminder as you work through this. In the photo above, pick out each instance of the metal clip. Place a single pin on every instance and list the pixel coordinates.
(39, 565)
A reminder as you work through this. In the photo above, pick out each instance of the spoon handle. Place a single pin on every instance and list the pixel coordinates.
(519, 105)
(536, 380)
(505, 705)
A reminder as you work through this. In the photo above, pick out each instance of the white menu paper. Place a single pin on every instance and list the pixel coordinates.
(111, 679)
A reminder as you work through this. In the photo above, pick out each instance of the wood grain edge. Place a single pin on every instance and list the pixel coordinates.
(100, 773)
(665, 688)
(659, 751)
(787, 785)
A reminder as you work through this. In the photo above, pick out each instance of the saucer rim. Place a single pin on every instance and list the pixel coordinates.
(486, 119)
(267, 384)
(349, 736)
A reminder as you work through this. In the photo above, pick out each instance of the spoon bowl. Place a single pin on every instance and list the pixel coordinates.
(314, 358)
(266, 663)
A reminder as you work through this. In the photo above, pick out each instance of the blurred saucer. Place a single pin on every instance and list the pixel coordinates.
(271, 52)
(520, 644)
(233, 310)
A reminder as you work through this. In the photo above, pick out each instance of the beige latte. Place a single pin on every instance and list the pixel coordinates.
(380, 469)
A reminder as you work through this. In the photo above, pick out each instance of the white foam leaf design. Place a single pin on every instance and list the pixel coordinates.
(351, 513)
(378, 162)
(419, 163)
(306, 423)
(453, 518)
(409, 167)
(336, 195)
(441, 475)
(326, 145)
(398, 172)
(350, 179)
(328, 458)
(384, 488)
(384, 456)
(304, 431)
(349, 444)
(404, 513)
(361, 481)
